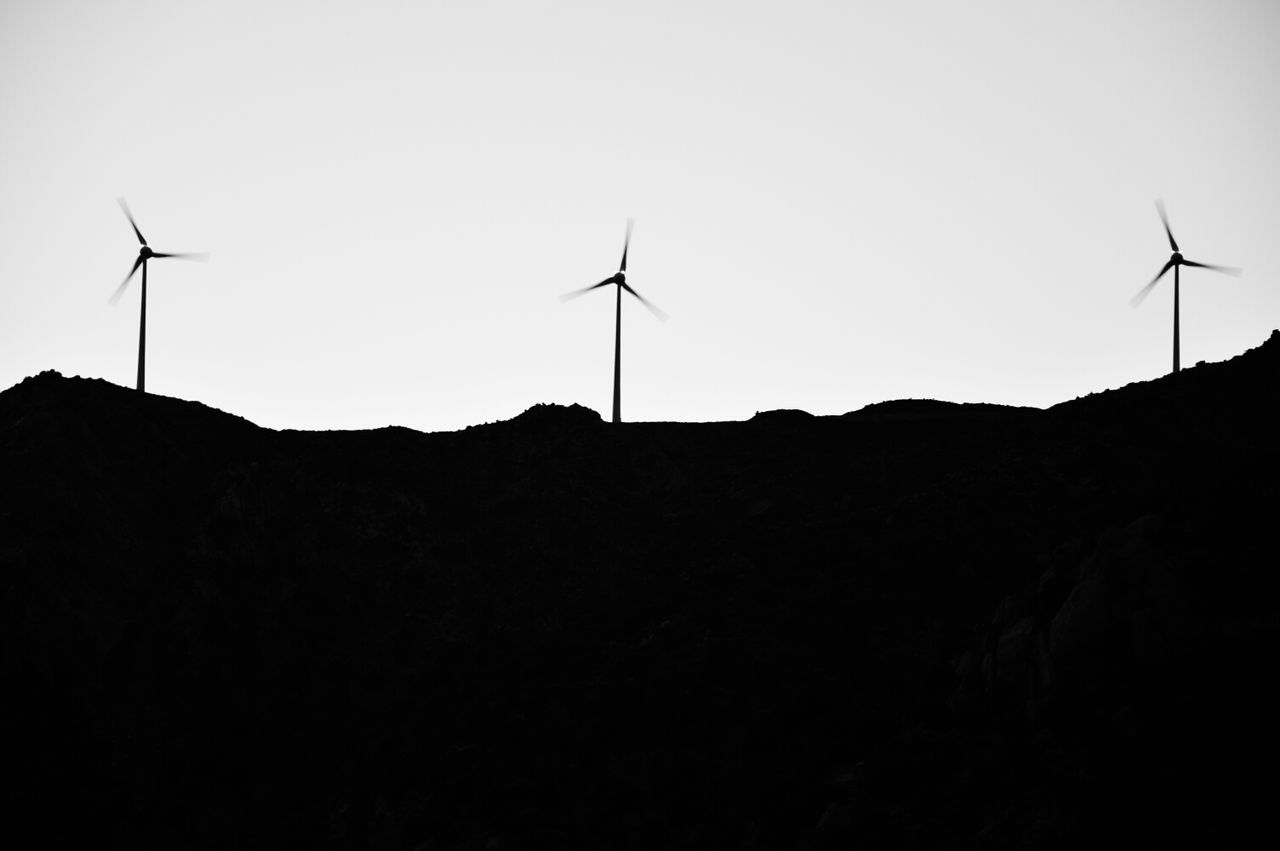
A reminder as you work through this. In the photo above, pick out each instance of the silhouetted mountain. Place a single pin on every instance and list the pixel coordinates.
(921, 624)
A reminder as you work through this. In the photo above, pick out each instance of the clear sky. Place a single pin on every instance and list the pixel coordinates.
(837, 203)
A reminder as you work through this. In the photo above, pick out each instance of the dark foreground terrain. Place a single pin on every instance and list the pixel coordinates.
(917, 625)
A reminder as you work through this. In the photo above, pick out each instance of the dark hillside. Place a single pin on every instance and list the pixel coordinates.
(921, 624)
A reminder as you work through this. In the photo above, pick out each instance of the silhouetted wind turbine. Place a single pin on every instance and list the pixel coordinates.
(144, 254)
(1175, 261)
(619, 278)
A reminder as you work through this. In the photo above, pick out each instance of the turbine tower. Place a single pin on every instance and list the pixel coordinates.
(1176, 261)
(144, 254)
(619, 278)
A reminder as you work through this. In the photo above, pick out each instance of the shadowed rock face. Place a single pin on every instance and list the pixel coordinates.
(923, 624)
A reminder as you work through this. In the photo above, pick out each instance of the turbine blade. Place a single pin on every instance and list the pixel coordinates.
(653, 308)
(1160, 209)
(576, 293)
(1226, 270)
(202, 256)
(1142, 293)
(129, 216)
(625, 245)
(115, 296)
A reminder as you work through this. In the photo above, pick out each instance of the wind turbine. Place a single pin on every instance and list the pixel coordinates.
(619, 278)
(144, 254)
(1176, 261)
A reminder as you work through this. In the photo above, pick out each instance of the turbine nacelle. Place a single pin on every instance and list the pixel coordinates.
(1176, 258)
(145, 252)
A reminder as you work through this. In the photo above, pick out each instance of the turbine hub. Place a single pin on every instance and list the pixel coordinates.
(1177, 257)
(146, 251)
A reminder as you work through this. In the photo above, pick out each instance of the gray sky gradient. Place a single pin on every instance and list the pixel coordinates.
(838, 203)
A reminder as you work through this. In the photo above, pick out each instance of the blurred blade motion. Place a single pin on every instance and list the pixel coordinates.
(626, 243)
(575, 293)
(1165, 219)
(201, 256)
(1142, 293)
(115, 296)
(1226, 270)
(123, 206)
(653, 308)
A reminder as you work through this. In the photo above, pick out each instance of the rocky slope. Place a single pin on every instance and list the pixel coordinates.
(916, 625)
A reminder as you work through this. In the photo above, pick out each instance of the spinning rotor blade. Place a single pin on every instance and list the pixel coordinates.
(625, 245)
(576, 293)
(202, 256)
(129, 216)
(115, 296)
(1160, 209)
(1226, 270)
(653, 308)
(1142, 293)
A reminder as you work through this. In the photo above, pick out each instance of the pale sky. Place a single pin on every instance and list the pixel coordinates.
(838, 203)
